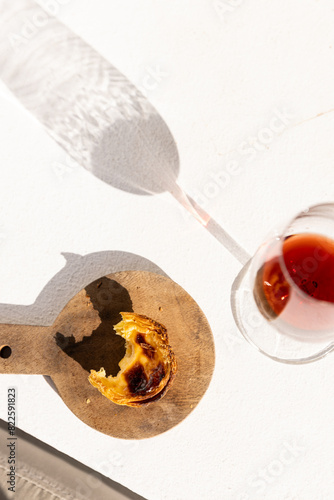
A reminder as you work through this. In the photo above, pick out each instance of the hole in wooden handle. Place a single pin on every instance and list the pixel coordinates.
(5, 351)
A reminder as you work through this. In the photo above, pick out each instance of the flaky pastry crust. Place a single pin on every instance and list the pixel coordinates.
(148, 367)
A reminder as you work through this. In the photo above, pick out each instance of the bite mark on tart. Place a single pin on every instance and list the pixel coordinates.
(148, 367)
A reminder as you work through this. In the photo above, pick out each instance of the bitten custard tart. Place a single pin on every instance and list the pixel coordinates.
(148, 367)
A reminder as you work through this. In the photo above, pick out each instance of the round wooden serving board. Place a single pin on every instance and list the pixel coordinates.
(82, 338)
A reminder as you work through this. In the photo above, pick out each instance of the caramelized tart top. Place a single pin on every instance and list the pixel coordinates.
(148, 367)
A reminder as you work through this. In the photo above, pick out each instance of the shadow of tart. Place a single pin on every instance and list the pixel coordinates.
(148, 368)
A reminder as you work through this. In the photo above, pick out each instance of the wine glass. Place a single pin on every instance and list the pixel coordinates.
(283, 300)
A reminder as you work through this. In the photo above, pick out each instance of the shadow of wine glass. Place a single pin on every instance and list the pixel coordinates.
(138, 156)
(93, 111)
(87, 105)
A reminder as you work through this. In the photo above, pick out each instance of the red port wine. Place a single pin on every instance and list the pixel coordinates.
(309, 260)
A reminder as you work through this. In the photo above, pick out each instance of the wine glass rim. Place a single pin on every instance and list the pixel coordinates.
(284, 235)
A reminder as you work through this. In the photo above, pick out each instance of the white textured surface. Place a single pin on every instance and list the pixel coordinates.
(225, 77)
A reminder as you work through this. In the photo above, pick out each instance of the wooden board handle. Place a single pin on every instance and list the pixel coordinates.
(25, 349)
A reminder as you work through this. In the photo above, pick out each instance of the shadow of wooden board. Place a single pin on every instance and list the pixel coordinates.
(38, 350)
